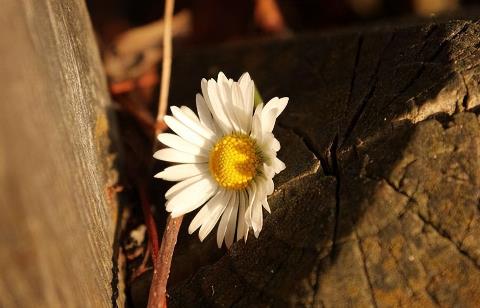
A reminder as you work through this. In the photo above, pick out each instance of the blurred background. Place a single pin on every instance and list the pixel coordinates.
(216, 21)
(129, 31)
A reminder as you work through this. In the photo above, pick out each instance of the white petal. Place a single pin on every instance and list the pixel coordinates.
(206, 211)
(194, 203)
(252, 189)
(257, 125)
(177, 156)
(257, 215)
(193, 125)
(267, 171)
(277, 105)
(232, 224)
(278, 165)
(186, 133)
(266, 206)
(257, 218)
(222, 226)
(182, 171)
(244, 81)
(275, 145)
(216, 107)
(247, 88)
(268, 120)
(231, 107)
(251, 195)
(245, 235)
(178, 143)
(271, 111)
(268, 186)
(208, 103)
(191, 197)
(239, 109)
(204, 114)
(189, 112)
(223, 87)
(182, 185)
(212, 219)
(269, 143)
(248, 99)
(243, 199)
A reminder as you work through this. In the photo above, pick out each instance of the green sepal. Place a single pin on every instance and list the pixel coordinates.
(257, 98)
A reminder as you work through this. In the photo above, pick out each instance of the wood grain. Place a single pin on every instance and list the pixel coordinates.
(56, 221)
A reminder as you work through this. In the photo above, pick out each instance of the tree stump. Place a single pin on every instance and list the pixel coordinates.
(380, 203)
(56, 198)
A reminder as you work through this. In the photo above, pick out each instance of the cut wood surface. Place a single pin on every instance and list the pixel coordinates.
(57, 221)
(379, 204)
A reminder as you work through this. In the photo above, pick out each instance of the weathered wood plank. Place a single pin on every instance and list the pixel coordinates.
(56, 222)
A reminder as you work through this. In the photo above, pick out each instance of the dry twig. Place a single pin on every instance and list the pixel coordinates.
(161, 268)
(167, 61)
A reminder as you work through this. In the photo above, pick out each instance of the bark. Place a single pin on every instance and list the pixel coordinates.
(379, 204)
(56, 180)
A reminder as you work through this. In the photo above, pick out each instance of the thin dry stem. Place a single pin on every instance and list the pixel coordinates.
(161, 269)
(167, 60)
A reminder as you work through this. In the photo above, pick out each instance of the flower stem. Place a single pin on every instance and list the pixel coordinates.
(166, 61)
(161, 269)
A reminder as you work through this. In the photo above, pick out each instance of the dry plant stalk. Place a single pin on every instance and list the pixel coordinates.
(161, 268)
(166, 62)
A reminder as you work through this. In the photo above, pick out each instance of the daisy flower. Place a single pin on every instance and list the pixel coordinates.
(227, 158)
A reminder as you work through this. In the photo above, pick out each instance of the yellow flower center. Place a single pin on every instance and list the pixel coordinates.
(234, 160)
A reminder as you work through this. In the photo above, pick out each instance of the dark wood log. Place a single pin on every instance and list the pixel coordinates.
(379, 204)
(58, 214)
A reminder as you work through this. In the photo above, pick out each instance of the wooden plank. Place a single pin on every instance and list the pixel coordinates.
(56, 222)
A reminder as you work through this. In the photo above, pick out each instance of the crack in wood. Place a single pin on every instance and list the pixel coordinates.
(333, 150)
(429, 33)
(467, 230)
(466, 96)
(354, 70)
(430, 59)
(402, 273)
(309, 144)
(446, 236)
(365, 270)
(316, 284)
(115, 254)
(373, 80)
(430, 294)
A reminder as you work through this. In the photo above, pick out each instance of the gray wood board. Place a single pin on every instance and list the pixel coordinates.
(56, 222)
